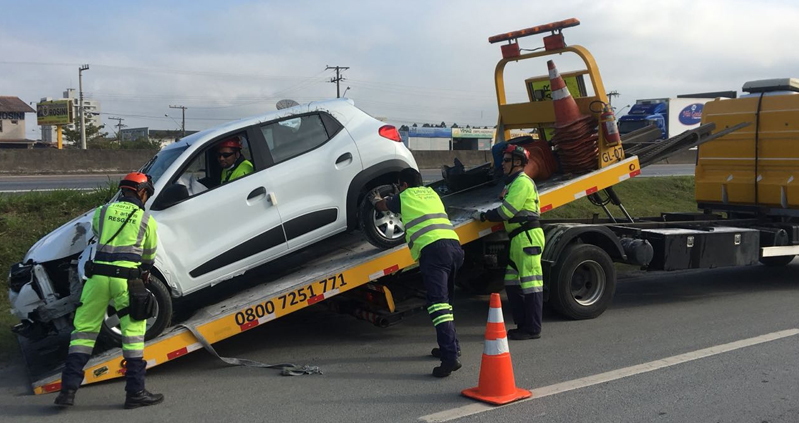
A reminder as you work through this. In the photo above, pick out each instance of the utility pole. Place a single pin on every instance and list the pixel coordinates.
(338, 78)
(80, 105)
(612, 94)
(119, 126)
(183, 124)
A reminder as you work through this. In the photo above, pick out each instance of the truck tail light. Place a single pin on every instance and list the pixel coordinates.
(390, 132)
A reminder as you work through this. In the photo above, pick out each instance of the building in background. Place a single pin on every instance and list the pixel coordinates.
(135, 134)
(91, 109)
(12, 123)
(442, 139)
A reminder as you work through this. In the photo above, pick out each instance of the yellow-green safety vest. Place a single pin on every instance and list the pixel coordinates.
(425, 219)
(136, 242)
(521, 200)
(239, 170)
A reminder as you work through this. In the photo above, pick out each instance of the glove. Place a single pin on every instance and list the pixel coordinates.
(479, 216)
(374, 197)
(145, 276)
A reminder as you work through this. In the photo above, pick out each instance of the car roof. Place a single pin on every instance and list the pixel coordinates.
(341, 108)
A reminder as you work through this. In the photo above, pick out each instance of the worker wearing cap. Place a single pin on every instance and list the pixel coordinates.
(125, 252)
(233, 164)
(436, 246)
(524, 278)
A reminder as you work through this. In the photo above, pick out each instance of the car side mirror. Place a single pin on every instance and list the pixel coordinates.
(170, 196)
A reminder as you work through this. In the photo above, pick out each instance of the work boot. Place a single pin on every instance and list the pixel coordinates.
(436, 352)
(142, 398)
(521, 335)
(446, 368)
(65, 398)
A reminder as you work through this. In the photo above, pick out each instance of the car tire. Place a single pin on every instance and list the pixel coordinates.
(382, 229)
(110, 330)
(583, 282)
(776, 261)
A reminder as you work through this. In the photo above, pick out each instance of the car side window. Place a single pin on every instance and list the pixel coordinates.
(205, 170)
(295, 136)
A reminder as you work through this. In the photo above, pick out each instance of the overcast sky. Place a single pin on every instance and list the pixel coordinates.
(409, 61)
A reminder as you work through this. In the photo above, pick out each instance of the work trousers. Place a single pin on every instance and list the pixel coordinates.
(439, 263)
(524, 280)
(97, 293)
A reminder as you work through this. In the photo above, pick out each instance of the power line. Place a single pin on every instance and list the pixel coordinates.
(338, 78)
(119, 126)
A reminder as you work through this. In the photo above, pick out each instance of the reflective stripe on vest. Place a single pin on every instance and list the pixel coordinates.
(120, 248)
(425, 219)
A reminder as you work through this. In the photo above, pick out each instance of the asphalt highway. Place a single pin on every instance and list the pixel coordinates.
(21, 184)
(691, 346)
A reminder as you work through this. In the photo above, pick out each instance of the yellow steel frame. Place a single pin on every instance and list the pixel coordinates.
(533, 114)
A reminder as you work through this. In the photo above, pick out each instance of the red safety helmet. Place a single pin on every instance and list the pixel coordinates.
(137, 181)
(518, 152)
(234, 143)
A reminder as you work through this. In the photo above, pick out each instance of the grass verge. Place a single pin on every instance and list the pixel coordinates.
(25, 218)
(641, 197)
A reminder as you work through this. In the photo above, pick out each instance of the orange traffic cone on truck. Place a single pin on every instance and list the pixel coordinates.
(496, 384)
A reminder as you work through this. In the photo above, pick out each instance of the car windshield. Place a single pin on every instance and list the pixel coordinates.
(159, 164)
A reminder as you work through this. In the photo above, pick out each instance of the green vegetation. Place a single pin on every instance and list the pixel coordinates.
(26, 218)
(23, 220)
(640, 196)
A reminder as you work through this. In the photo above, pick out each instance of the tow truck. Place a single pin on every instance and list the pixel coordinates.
(354, 277)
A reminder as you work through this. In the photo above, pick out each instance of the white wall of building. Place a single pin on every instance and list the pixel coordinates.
(12, 129)
(421, 143)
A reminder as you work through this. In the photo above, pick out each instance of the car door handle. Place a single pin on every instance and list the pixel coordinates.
(256, 192)
(343, 158)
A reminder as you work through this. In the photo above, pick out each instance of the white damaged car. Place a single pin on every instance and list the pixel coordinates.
(312, 167)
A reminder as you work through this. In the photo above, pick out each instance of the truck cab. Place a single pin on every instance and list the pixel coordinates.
(645, 113)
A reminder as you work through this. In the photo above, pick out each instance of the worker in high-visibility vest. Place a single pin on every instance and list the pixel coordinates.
(233, 163)
(524, 278)
(436, 246)
(125, 252)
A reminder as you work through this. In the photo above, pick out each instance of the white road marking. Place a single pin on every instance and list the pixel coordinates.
(12, 191)
(476, 408)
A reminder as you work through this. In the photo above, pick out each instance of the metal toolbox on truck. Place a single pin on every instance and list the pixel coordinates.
(678, 248)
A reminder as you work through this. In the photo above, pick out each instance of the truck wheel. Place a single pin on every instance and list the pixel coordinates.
(382, 229)
(111, 332)
(583, 282)
(777, 261)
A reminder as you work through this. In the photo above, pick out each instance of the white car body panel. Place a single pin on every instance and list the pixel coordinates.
(207, 227)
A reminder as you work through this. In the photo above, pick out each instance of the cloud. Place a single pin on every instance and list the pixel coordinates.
(412, 61)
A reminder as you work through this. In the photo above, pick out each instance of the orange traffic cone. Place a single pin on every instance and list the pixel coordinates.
(496, 385)
(566, 111)
(574, 131)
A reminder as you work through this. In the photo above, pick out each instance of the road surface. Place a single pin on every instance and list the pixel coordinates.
(19, 184)
(698, 346)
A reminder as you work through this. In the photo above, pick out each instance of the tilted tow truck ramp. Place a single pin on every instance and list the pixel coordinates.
(351, 263)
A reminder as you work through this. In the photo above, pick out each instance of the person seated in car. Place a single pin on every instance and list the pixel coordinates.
(233, 164)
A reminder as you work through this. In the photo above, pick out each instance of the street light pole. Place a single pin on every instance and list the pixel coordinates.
(183, 125)
(80, 107)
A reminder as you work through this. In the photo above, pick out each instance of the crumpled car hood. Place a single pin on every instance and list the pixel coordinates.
(70, 239)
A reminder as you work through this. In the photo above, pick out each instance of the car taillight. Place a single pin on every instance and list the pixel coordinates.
(390, 132)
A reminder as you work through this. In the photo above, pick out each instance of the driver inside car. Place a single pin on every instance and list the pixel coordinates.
(233, 164)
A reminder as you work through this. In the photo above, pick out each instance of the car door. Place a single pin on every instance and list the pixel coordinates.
(217, 233)
(314, 161)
